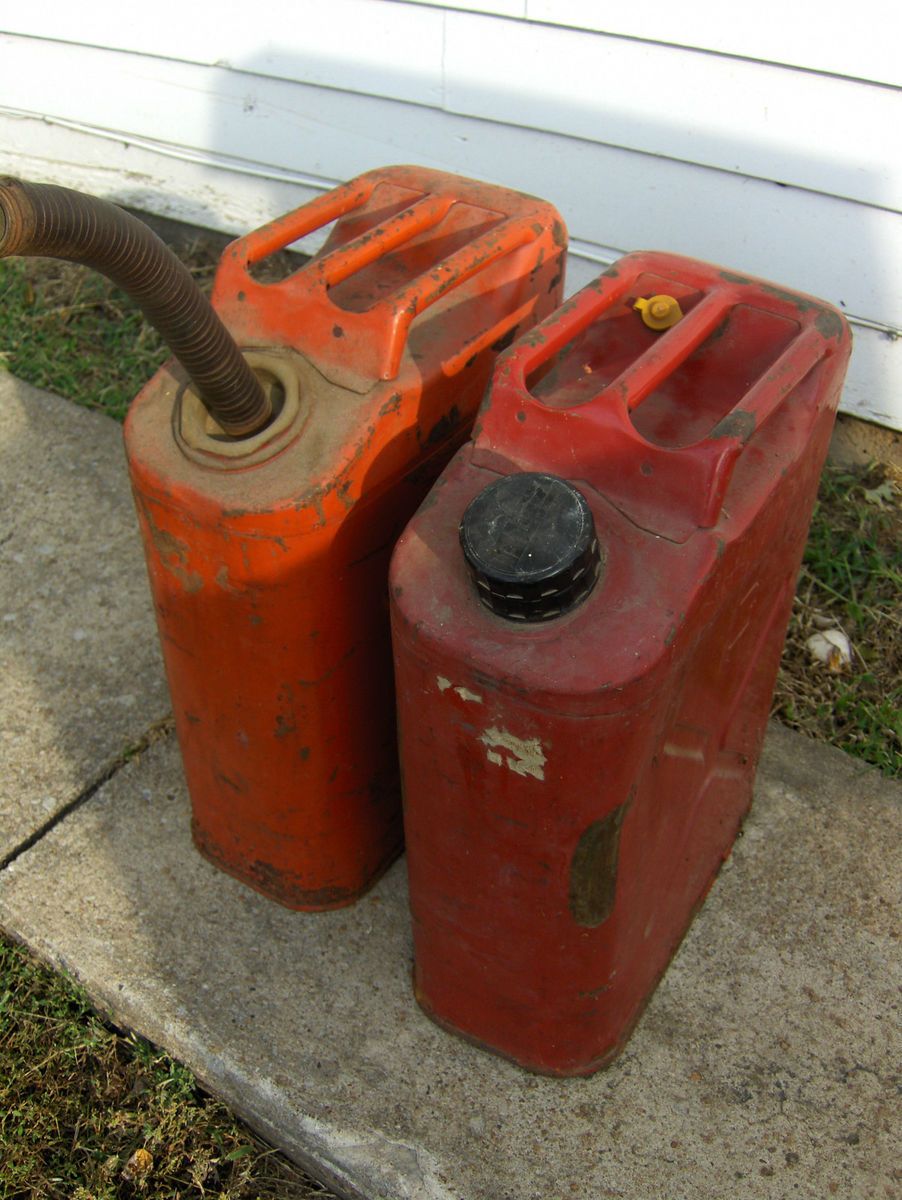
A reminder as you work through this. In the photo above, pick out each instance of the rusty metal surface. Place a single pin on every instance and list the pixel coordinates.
(56, 222)
(269, 566)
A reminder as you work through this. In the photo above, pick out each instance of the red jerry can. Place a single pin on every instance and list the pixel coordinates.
(588, 613)
(268, 554)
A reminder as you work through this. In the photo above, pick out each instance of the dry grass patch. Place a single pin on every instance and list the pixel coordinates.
(88, 1112)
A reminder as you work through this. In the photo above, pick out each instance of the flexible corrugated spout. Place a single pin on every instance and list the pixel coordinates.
(41, 219)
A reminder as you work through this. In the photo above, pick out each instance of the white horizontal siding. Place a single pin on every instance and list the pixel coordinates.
(227, 195)
(817, 35)
(356, 45)
(495, 8)
(235, 139)
(812, 130)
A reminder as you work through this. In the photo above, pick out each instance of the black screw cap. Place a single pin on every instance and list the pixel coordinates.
(530, 543)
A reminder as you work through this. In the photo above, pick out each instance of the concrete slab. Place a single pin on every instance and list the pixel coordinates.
(762, 1068)
(80, 673)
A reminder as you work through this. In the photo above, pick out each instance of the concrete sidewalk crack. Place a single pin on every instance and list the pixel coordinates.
(155, 733)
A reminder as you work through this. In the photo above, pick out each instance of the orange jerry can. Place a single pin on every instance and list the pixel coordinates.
(268, 555)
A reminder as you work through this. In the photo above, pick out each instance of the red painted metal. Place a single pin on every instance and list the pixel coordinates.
(268, 556)
(572, 787)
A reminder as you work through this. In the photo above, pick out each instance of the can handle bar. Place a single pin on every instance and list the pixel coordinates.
(382, 329)
(646, 373)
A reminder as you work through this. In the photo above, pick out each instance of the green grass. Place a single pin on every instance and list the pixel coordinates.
(69, 330)
(79, 1098)
(852, 577)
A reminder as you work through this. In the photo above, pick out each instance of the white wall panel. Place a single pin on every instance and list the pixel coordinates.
(221, 197)
(816, 35)
(227, 194)
(357, 45)
(814, 131)
(874, 383)
(497, 8)
(859, 40)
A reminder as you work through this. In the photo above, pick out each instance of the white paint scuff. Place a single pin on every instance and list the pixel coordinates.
(463, 692)
(526, 756)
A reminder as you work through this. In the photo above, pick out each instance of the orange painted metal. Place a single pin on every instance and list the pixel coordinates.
(268, 557)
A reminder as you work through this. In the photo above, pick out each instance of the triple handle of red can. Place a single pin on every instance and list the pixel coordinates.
(582, 709)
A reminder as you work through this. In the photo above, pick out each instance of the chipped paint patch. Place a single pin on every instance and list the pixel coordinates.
(463, 692)
(526, 756)
(736, 424)
(173, 554)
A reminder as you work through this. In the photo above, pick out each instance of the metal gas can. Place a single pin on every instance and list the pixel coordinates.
(588, 613)
(268, 554)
